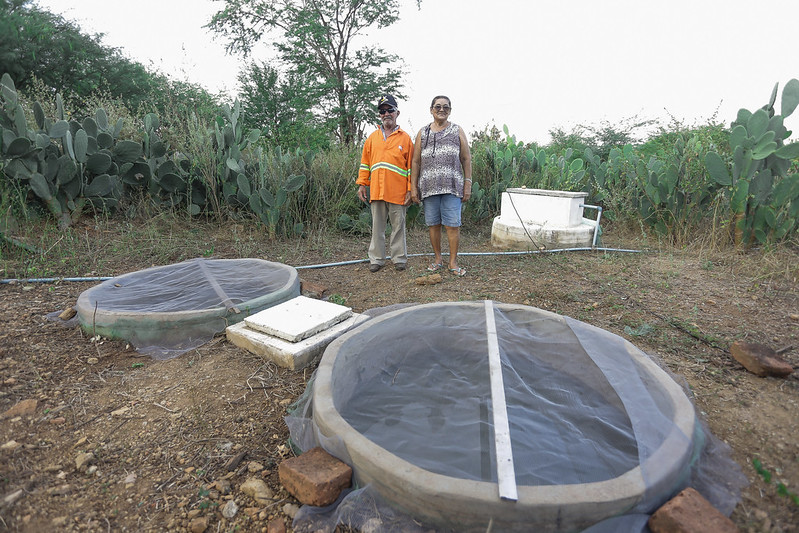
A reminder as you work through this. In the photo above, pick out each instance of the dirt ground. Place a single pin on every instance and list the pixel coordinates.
(171, 442)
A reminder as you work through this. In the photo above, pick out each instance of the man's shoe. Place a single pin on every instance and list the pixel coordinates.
(399, 267)
(374, 267)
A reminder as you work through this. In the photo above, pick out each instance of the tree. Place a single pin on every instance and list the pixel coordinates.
(317, 45)
(276, 105)
(37, 44)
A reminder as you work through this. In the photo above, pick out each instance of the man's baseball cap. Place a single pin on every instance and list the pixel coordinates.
(387, 99)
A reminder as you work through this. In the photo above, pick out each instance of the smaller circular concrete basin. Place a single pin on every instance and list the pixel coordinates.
(597, 429)
(164, 311)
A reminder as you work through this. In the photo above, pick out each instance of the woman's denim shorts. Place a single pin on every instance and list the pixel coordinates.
(442, 209)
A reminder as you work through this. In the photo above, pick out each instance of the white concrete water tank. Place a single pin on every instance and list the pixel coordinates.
(537, 219)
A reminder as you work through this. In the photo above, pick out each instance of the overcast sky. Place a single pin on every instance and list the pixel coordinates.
(534, 65)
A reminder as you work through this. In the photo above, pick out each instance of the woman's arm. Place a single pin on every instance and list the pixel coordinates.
(466, 163)
(415, 168)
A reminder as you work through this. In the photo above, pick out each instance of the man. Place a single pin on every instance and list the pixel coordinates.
(386, 170)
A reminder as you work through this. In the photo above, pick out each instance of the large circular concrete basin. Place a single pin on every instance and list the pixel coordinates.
(597, 429)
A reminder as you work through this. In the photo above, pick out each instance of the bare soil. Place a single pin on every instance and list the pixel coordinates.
(165, 435)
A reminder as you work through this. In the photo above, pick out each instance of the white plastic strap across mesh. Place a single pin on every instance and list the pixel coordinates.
(506, 476)
(226, 301)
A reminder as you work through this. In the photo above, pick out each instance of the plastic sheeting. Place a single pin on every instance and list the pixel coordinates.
(165, 311)
(587, 412)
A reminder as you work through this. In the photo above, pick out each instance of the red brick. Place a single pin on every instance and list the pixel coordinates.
(315, 477)
(311, 289)
(690, 512)
(760, 359)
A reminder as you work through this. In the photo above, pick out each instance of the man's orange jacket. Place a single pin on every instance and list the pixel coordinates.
(386, 166)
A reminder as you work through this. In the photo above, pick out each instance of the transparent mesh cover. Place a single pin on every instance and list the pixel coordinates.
(165, 311)
(583, 405)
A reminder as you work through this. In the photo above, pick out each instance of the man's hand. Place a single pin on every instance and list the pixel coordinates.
(362, 194)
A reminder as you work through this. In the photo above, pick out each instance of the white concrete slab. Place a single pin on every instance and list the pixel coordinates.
(293, 355)
(560, 209)
(298, 318)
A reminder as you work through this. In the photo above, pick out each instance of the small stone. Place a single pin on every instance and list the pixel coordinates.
(83, 460)
(230, 509)
(121, 411)
(60, 521)
(58, 421)
(60, 490)
(794, 317)
(291, 510)
(221, 485)
(80, 442)
(199, 524)
(252, 512)
(194, 513)
(432, 279)
(23, 408)
(92, 360)
(234, 461)
(10, 445)
(10, 381)
(257, 490)
(254, 467)
(276, 525)
(67, 313)
(373, 525)
(10, 499)
(130, 480)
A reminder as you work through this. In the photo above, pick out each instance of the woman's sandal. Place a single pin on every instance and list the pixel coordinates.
(435, 266)
(460, 271)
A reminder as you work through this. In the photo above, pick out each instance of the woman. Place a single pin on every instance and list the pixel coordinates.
(441, 177)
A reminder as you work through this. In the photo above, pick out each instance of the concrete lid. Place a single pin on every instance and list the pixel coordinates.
(298, 318)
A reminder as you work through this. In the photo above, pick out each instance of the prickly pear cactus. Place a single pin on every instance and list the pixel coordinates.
(763, 196)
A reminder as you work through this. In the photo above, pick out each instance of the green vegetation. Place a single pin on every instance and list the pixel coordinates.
(285, 156)
(782, 489)
(763, 196)
(677, 183)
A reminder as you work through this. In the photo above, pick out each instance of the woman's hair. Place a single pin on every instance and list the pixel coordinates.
(449, 102)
